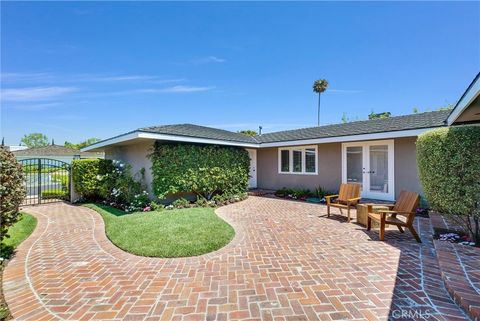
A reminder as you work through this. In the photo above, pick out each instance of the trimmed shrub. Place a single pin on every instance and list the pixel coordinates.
(449, 170)
(86, 173)
(205, 170)
(111, 181)
(54, 193)
(12, 191)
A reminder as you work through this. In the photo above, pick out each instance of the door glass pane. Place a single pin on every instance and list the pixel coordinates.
(285, 161)
(297, 161)
(379, 169)
(354, 164)
(310, 160)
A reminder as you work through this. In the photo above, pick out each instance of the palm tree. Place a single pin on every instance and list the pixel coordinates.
(319, 86)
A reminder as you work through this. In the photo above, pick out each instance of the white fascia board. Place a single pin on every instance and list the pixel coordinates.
(350, 138)
(466, 100)
(174, 138)
(154, 136)
(111, 141)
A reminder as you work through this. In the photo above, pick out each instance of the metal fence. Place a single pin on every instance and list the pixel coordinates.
(46, 180)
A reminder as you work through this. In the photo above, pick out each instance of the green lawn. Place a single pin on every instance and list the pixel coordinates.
(167, 233)
(18, 233)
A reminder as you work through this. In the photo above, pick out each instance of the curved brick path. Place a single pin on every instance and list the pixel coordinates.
(285, 263)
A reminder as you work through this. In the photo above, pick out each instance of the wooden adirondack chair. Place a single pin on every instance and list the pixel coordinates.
(348, 197)
(405, 205)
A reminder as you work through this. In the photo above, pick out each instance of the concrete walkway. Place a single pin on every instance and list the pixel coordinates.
(286, 262)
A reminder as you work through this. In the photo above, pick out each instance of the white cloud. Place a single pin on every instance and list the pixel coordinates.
(26, 77)
(206, 60)
(175, 89)
(35, 93)
(49, 77)
(34, 106)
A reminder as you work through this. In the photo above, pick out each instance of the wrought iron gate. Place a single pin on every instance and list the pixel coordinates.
(46, 180)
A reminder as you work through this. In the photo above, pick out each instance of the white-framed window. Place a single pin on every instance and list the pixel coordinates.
(298, 160)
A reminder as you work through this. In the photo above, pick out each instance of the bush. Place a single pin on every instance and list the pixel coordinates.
(111, 181)
(181, 203)
(202, 169)
(449, 170)
(54, 193)
(12, 191)
(86, 173)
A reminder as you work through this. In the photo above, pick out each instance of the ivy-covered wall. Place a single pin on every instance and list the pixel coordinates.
(205, 170)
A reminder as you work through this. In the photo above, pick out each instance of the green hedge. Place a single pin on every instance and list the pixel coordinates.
(87, 173)
(203, 169)
(54, 193)
(449, 170)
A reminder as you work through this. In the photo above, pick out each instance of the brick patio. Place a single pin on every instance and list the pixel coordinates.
(286, 262)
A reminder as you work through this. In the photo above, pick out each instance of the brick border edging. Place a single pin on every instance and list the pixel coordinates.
(453, 273)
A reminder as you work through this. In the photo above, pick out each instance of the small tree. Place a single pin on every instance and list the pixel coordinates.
(12, 191)
(248, 132)
(35, 140)
(383, 115)
(319, 86)
(449, 170)
(85, 143)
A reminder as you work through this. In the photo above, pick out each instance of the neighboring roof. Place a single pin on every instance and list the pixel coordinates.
(190, 130)
(407, 122)
(467, 108)
(53, 150)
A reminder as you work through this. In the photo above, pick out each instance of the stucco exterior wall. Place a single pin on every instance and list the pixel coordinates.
(330, 168)
(406, 173)
(135, 155)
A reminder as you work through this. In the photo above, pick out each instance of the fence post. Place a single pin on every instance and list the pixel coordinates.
(39, 183)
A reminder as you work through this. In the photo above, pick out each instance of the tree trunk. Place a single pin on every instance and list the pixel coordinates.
(318, 111)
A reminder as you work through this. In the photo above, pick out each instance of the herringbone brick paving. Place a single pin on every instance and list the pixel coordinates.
(287, 262)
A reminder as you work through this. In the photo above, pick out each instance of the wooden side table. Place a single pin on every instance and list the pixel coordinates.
(362, 213)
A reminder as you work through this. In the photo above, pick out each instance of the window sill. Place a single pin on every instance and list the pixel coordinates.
(297, 173)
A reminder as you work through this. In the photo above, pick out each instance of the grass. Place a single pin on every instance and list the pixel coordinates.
(167, 233)
(18, 233)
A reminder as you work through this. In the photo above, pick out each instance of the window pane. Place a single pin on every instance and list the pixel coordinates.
(297, 161)
(354, 165)
(379, 168)
(310, 160)
(285, 161)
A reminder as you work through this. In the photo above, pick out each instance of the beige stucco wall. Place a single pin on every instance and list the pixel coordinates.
(135, 155)
(406, 174)
(330, 168)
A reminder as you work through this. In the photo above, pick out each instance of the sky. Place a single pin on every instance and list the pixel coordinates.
(74, 70)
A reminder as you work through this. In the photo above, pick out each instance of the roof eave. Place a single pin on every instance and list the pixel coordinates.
(470, 94)
(141, 134)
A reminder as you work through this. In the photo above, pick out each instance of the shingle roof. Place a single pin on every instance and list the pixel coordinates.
(413, 121)
(53, 150)
(190, 130)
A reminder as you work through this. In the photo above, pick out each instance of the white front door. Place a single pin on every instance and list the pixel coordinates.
(252, 182)
(370, 164)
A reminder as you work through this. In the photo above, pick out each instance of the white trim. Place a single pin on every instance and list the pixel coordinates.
(153, 136)
(472, 93)
(290, 165)
(350, 138)
(252, 181)
(390, 196)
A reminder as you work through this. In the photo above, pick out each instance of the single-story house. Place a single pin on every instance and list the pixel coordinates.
(55, 152)
(380, 154)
